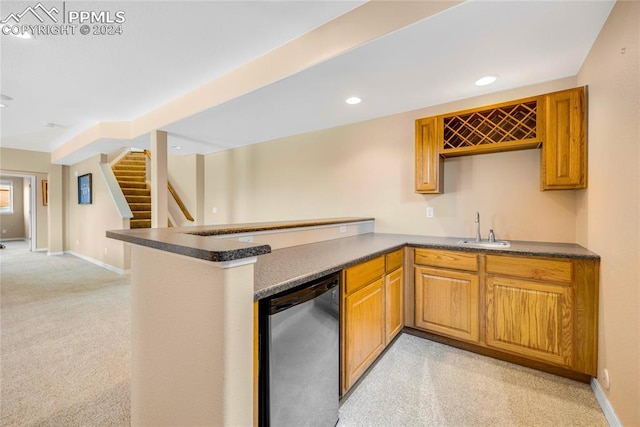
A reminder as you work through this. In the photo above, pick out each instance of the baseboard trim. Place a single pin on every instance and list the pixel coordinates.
(98, 263)
(55, 253)
(609, 413)
(14, 239)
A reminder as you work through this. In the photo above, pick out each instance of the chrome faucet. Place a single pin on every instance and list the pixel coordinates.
(478, 236)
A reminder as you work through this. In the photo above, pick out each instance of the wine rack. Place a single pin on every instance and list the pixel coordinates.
(504, 127)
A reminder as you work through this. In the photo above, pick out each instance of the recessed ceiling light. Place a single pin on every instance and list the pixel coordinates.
(177, 147)
(486, 80)
(353, 100)
(2, 105)
(50, 125)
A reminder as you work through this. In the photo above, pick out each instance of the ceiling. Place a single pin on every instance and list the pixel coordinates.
(169, 48)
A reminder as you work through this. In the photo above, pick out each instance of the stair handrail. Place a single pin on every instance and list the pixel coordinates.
(175, 195)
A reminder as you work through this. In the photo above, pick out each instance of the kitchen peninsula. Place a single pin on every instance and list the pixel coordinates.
(193, 293)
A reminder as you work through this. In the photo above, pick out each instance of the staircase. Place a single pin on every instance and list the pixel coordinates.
(131, 172)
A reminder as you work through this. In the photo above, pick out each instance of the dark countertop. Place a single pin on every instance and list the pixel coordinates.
(287, 268)
(196, 241)
(282, 269)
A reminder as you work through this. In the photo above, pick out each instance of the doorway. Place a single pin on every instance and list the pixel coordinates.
(18, 218)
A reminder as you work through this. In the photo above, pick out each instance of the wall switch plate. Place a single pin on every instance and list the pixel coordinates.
(429, 212)
(214, 210)
(246, 239)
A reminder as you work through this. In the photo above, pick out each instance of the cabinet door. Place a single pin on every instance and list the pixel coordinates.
(533, 319)
(564, 149)
(394, 294)
(364, 330)
(429, 164)
(446, 302)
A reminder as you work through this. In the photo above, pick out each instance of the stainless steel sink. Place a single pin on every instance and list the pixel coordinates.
(498, 244)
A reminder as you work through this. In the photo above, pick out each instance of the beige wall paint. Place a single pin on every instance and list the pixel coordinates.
(50, 232)
(87, 224)
(186, 174)
(12, 224)
(609, 210)
(367, 169)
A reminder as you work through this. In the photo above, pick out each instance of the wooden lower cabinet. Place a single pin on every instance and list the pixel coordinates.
(364, 329)
(394, 293)
(447, 302)
(543, 310)
(372, 313)
(532, 319)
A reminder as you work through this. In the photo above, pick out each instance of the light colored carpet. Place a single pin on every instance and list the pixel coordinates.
(65, 361)
(65, 340)
(423, 383)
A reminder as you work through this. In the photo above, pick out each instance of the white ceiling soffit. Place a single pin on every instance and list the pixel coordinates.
(167, 48)
(431, 62)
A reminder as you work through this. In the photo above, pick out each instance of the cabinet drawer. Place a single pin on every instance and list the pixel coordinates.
(363, 273)
(531, 268)
(448, 259)
(393, 260)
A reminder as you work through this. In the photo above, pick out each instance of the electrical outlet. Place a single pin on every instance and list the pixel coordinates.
(105, 251)
(246, 239)
(430, 212)
(4, 231)
(343, 229)
(214, 210)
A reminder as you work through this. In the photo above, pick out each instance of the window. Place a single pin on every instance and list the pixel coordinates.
(6, 197)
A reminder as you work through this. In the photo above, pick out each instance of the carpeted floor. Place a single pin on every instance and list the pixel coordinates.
(423, 383)
(65, 341)
(65, 361)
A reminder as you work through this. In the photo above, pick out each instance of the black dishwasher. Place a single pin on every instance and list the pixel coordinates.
(299, 355)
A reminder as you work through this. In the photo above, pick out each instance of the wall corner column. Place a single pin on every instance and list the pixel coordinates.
(192, 340)
(159, 193)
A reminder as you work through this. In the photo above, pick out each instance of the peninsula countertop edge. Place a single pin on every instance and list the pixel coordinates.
(282, 269)
(201, 242)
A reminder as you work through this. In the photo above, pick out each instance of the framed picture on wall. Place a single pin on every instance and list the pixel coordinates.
(84, 189)
(45, 192)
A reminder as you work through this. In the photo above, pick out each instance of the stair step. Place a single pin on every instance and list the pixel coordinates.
(124, 168)
(140, 206)
(138, 199)
(135, 173)
(139, 223)
(138, 179)
(136, 191)
(132, 184)
(141, 214)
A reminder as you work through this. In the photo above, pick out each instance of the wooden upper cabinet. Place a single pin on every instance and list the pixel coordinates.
(554, 121)
(429, 164)
(564, 150)
(507, 126)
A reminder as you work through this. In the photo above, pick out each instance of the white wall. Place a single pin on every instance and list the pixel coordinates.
(609, 210)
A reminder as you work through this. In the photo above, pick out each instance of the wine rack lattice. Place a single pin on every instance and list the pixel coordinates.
(493, 126)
